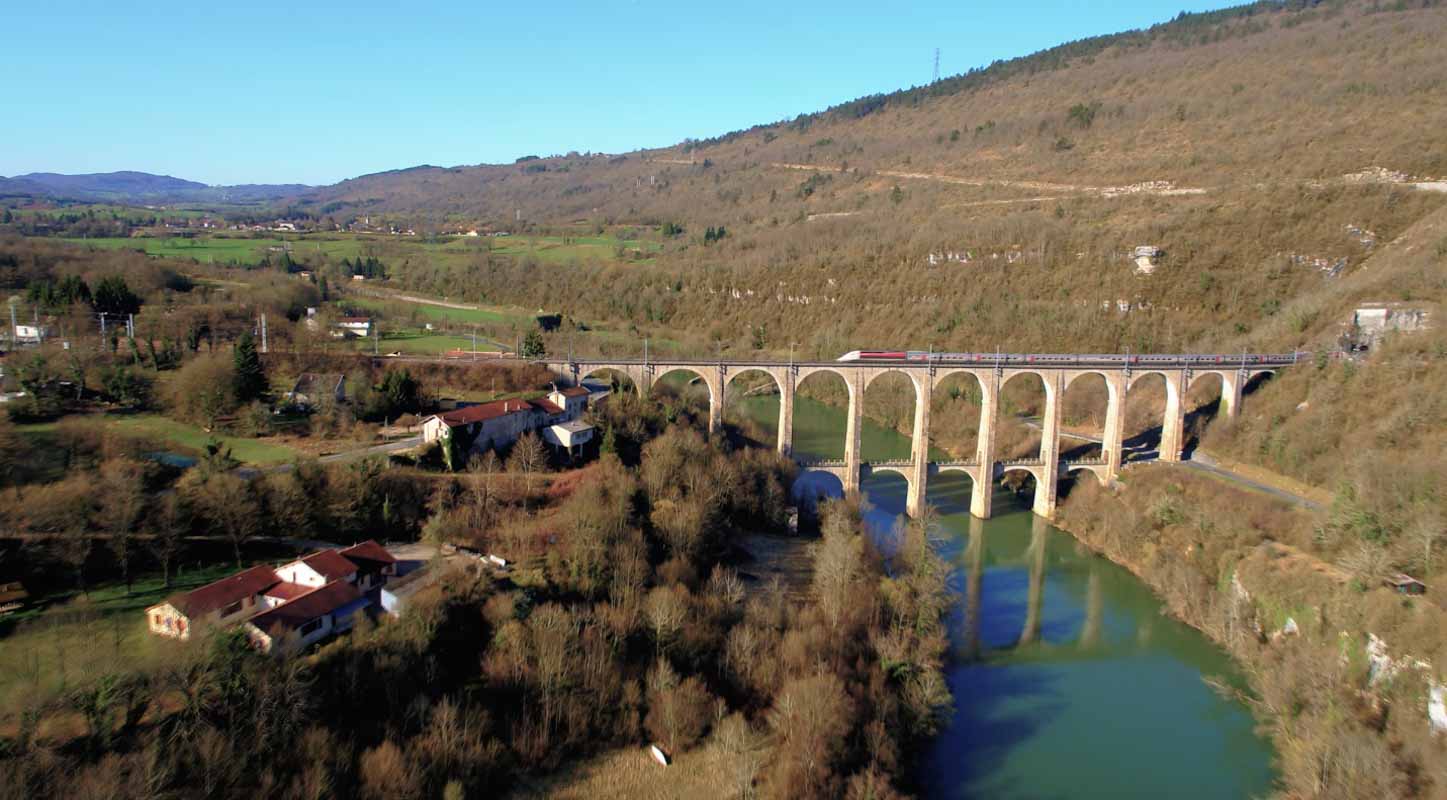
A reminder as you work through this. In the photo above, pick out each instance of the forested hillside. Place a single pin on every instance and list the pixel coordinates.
(1265, 150)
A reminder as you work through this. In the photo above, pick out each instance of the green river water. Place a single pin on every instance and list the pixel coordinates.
(1068, 680)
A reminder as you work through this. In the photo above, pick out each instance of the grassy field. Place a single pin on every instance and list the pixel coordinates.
(465, 316)
(392, 250)
(74, 638)
(65, 638)
(192, 439)
(559, 249)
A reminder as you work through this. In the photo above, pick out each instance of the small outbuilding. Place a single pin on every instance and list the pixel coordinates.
(1403, 583)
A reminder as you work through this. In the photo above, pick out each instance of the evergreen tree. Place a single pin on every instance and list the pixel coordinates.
(250, 375)
(533, 346)
(113, 296)
(399, 394)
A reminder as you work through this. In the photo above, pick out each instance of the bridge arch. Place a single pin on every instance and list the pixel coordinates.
(1022, 479)
(703, 376)
(814, 484)
(958, 402)
(1154, 413)
(1024, 393)
(895, 396)
(1100, 471)
(1087, 402)
(616, 377)
(735, 396)
(817, 430)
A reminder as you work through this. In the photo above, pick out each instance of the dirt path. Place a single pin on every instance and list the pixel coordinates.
(1158, 188)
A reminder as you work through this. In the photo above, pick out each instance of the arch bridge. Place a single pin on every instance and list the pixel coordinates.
(1056, 373)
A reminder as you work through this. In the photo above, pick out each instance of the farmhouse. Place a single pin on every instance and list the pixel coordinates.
(286, 607)
(225, 602)
(500, 423)
(360, 327)
(306, 618)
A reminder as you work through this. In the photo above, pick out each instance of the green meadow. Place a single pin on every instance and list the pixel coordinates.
(244, 250)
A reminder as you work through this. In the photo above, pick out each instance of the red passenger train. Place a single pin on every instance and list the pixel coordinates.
(1076, 359)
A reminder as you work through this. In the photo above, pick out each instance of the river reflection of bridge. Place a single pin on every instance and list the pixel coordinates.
(1080, 577)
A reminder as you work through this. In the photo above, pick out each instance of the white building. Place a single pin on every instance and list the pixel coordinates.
(360, 327)
(32, 333)
(283, 608)
(502, 422)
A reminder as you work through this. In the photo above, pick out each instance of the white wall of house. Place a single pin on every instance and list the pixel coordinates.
(432, 429)
(299, 573)
(167, 620)
(292, 641)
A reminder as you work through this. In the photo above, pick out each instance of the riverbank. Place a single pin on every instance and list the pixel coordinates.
(1238, 566)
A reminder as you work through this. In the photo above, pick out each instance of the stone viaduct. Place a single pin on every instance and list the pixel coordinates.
(984, 468)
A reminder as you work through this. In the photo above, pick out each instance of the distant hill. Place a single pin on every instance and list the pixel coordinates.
(130, 186)
(1269, 93)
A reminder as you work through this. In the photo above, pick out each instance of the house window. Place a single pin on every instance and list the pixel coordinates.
(310, 626)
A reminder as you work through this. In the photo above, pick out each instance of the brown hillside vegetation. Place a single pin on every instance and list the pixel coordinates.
(1226, 140)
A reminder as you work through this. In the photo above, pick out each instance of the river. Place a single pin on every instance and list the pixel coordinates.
(1068, 680)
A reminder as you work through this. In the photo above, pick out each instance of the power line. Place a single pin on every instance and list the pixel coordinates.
(937, 66)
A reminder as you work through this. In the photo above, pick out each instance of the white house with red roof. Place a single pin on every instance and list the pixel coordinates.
(311, 616)
(500, 423)
(326, 588)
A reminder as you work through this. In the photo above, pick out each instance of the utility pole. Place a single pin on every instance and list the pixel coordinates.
(102, 316)
(937, 66)
(263, 333)
(474, 344)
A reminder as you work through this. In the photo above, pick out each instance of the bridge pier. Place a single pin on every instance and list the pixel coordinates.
(1232, 386)
(716, 397)
(852, 459)
(919, 468)
(983, 492)
(786, 411)
(1113, 439)
(1174, 426)
(1048, 484)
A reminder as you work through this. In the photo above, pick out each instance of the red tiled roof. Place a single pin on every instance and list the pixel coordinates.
(576, 391)
(330, 564)
(287, 591)
(495, 409)
(368, 554)
(224, 592)
(304, 609)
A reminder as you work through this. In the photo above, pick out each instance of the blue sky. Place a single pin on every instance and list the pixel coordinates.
(315, 92)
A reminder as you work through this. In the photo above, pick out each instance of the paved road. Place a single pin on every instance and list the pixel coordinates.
(1203, 463)
(1200, 462)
